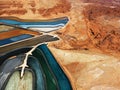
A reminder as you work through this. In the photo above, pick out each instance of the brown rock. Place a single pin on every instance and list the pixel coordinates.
(88, 50)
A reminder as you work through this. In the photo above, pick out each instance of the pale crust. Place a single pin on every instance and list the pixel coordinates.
(89, 70)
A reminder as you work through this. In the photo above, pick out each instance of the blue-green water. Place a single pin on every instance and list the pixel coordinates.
(14, 39)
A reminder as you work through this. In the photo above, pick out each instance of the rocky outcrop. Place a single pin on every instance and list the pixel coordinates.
(94, 25)
(33, 8)
(103, 26)
(88, 49)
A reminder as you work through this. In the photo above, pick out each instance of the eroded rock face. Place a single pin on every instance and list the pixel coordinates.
(104, 26)
(96, 26)
(93, 23)
(93, 29)
(33, 8)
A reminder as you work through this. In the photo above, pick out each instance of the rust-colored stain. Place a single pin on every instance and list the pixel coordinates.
(11, 12)
(62, 7)
(23, 7)
(16, 32)
(75, 68)
(103, 28)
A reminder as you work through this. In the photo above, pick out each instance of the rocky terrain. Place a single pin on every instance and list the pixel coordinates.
(88, 50)
(30, 9)
(92, 23)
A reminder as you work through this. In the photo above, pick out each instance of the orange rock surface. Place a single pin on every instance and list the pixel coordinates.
(33, 8)
(88, 49)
